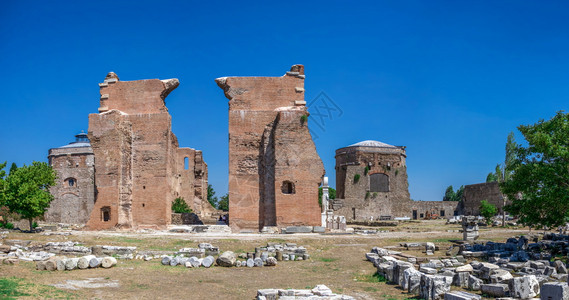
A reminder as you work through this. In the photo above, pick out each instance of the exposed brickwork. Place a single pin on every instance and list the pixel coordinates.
(73, 193)
(270, 147)
(139, 167)
(358, 201)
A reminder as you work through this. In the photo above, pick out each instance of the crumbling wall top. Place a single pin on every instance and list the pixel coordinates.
(135, 97)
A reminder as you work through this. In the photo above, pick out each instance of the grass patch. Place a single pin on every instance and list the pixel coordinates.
(326, 259)
(373, 278)
(13, 288)
(9, 288)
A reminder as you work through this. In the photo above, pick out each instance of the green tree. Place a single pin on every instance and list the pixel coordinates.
(539, 184)
(451, 195)
(26, 190)
(13, 167)
(491, 177)
(179, 205)
(503, 172)
(211, 198)
(331, 194)
(488, 210)
(223, 203)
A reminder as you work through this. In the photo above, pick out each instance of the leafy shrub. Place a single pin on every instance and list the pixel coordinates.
(356, 178)
(7, 225)
(35, 224)
(366, 170)
(180, 206)
(303, 119)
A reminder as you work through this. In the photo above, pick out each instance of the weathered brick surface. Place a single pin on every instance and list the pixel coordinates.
(475, 193)
(357, 201)
(72, 203)
(269, 143)
(139, 167)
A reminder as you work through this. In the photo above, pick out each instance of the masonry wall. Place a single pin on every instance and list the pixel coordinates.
(475, 193)
(358, 201)
(139, 166)
(72, 204)
(269, 144)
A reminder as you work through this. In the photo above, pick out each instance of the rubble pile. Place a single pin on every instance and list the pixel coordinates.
(509, 271)
(319, 292)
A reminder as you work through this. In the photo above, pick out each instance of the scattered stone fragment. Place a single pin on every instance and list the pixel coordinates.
(524, 287)
(495, 289)
(208, 261)
(258, 262)
(226, 259)
(250, 263)
(455, 295)
(554, 290)
(108, 262)
(271, 261)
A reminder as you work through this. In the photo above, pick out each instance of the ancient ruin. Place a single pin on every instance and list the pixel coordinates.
(371, 182)
(474, 194)
(129, 168)
(274, 169)
(139, 167)
(74, 194)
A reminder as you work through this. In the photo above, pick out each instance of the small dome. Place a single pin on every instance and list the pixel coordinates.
(81, 140)
(370, 143)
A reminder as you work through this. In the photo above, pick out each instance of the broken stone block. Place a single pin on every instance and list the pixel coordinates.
(461, 296)
(399, 269)
(554, 291)
(427, 270)
(433, 287)
(409, 275)
(549, 271)
(536, 265)
(500, 276)
(268, 294)
(465, 268)
(322, 290)
(486, 269)
(226, 259)
(460, 279)
(524, 287)
(560, 267)
(495, 289)
(474, 283)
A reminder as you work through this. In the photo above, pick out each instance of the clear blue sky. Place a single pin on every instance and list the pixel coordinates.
(447, 79)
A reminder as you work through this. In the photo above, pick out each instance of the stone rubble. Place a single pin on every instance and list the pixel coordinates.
(319, 292)
(432, 279)
(58, 263)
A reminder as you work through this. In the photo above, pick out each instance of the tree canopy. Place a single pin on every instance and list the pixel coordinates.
(488, 210)
(539, 183)
(26, 190)
(331, 194)
(179, 205)
(503, 172)
(451, 195)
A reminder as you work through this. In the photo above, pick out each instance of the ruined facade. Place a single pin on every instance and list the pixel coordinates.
(371, 181)
(132, 169)
(74, 192)
(474, 194)
(274, 169)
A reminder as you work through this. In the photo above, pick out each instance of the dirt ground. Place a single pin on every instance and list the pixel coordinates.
(337, 261)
